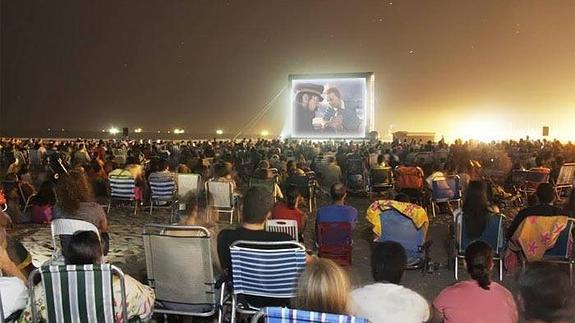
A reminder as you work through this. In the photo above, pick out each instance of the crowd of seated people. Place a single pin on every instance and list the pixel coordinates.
(323, 285)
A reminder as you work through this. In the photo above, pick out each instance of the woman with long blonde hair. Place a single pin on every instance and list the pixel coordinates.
(323, 287)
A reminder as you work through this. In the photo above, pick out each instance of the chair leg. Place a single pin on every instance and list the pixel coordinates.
(433, 208)
(109, 205)
(500, 269)
(571, 273)
(151, 206)
(136, 208)
(234, 300)
(455, 270)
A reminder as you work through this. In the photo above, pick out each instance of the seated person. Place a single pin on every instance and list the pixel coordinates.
(84, 249)
(256, 210)
(263, 172)
(545, 294)
(331, 173)
(289, 210)
(338, 211)
(323, 287)
(380, 164)
(12, 286)
(43, 202)
(386, 300)
(546, 196)
(20, 264)
(478, 299)
(476, 211)
(163, 173)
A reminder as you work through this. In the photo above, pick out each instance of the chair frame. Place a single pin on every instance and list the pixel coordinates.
(231, 210)
(115, 270)
(217, 307)
(559, 187)
(569, 258)
(262, 314)
(459, 198)
(57, 230)
(384, 186)
(252, 310)
(460, 254)
(348, 255)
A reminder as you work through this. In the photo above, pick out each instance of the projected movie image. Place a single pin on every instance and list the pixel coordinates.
(337, 107)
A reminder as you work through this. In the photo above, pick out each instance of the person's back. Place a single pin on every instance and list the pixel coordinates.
(386, 300)
(331, 173)
(289, 210)
(338, 211)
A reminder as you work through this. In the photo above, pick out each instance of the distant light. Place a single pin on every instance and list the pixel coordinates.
(62, 129)
(159, 131)
(138, 130)
(264, 133)
(114, 131)
(219, 132)
(178, 131)
(49, 129)
(103, 130)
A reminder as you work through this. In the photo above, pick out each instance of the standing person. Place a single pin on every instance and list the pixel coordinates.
(386, 300)
(478, 299)
(338, 211)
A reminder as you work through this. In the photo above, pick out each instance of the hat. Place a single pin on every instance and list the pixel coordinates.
(309, 88)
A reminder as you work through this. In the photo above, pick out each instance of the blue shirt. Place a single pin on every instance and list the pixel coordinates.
(337, 213)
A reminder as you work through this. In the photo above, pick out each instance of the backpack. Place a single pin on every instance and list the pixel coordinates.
(409, 177)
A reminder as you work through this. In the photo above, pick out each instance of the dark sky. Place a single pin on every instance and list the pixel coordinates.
(205, 65)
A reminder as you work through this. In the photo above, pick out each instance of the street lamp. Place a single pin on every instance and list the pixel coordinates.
(113, 131)
(219, 132)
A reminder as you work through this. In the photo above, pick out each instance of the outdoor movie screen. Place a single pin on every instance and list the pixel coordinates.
(331, 106)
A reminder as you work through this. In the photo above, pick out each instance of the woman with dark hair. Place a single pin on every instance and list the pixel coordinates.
(476, 210)
(289, 210)
(43, 202)
(85, 249)
(478, 299)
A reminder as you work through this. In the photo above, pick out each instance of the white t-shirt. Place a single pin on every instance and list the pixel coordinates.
(389, 303)
(14, 295)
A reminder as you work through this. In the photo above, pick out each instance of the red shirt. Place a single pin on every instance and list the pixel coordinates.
(282, 212)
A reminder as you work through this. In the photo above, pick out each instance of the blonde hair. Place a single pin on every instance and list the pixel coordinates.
(323, 287)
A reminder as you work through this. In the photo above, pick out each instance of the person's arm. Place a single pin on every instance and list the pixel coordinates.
(436, 316)
(515, 224)
(9, 268)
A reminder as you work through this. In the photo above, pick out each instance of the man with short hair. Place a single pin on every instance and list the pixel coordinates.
(546, 196)
(331, 172)
(338, 211)
(386, 300)
(343, 114)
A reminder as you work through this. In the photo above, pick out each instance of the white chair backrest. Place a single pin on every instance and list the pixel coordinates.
(220, 194)
(566, 175)
(285, 226)
(69, 227)
(188, 184)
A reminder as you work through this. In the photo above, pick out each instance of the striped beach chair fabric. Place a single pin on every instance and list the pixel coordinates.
(162, 190)
(82, 293)
(122, 188)
(265, 269)
(284, 315)
(285, 226)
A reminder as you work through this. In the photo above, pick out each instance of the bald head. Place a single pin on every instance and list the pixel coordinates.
(338, 192)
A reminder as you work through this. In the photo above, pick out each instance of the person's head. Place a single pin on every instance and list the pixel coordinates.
(338, 192)
(479, 262)
(84, 248)
(258, 203)
(163, 165)
(388, 261)
(73, 189)
(402, 197)
(46, 193)
(545, 294)
(475, 208)
(333, 97)
(323, 287)
(292, 196)
(380, 159)
(545, 193)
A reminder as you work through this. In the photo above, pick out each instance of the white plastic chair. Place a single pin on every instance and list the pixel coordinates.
(220, 198)
(66, 227)
(285, 226)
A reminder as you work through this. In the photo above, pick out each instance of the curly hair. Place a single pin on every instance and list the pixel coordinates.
(73, 189)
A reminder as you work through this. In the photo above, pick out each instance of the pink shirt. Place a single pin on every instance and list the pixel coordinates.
(467, 302)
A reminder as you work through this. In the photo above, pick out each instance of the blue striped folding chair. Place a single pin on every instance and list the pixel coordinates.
(162, 191)
(562, 251)
(123, 188)
(445, 190)
(75, 294)
(282, 314)
(265, 269)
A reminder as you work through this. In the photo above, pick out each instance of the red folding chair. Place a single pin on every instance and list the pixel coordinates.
(335, 242)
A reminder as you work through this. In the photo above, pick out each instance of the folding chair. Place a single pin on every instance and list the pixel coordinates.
(285, 226)
(220, 197)
(380, 179)
(409, 180)
(401, 229)
(562, 251)
(532, 179)
(283, 314)
(334, 241)
(62, 228)
(268, 184)
(88, 290)
(566, 178)
(492, 235)
(258, 270)
(163, 191)
(123, 188)
(445, 190)
(180, 270)
(2, 319)
(188, 185)
(306, 186)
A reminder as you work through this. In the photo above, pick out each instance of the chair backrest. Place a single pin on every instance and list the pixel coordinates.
(188, 184)
(563, 245)
(122, 187)
(518, 176)
(409, 177)
(219, 194)
(334, 234)
(260, 271)
(163, 190)
(302, 183)
(285, 226)
(1, 310)
(381, 176)
(446, 188)
(183, 252)
(536, 176)
(82, 293)
(67, 227)
(399, 228)
(283, 314)
(492, 234)
(566, 175)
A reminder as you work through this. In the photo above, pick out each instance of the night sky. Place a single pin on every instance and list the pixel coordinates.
(207, 65)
